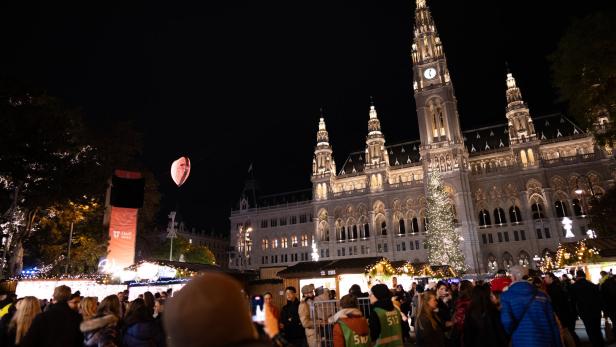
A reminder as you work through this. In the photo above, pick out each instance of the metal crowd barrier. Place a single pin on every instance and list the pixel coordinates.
(321, 311)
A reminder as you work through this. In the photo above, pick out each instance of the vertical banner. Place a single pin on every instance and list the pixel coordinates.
(126, 197)
(122, 236)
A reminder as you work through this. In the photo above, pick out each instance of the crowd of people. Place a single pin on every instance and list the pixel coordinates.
(515, 309)
(213, 310)
(69, 319)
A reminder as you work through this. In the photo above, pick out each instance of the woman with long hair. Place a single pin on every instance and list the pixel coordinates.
(428, 326)
(103, 329)
(482, 325)
(87, 307)
(27, 308)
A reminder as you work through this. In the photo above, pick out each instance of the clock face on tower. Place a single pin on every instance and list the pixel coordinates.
(430, 73)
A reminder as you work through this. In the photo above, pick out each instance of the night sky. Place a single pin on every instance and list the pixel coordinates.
(239, 82)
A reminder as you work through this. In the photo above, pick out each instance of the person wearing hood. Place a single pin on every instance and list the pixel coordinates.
(102, 330)
(350, 326)
(385, 319)
(140, 329)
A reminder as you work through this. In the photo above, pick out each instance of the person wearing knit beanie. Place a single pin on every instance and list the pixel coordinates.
(380, 291)
(385, 320)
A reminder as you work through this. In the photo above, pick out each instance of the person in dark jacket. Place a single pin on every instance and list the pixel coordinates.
(588, 303)
(527, 315)
(140, 329)
(58, 326)
(482, 324)
(561, 304)
(445, 305)
(384, 322)
(608, 293)
(429, 330)
(292, 328)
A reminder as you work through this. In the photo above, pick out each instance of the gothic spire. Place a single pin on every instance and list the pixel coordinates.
(514, 96)
(322, 135)
(521, 128)
(426, 42)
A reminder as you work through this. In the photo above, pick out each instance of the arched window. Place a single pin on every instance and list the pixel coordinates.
(383, 228)
(538, 210)
(283, 242)
(524, 259)
(366, 230)
(507, 260)
(264, 244)
(561, 209)
(414, 226)
(577, 208)
(294, 241)
(401, 227)
(531, 156)
(499, 216)
(523, 158)
(304, 240)
(515, 216)
(324, 231)
(342, 233)
(484, 218)
(425, 224)
(354, 235)
(274, 243)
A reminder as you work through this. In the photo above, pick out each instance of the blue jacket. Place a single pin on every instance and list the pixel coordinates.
(538, 327)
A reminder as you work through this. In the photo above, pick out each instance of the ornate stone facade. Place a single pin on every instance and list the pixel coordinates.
(510, 184)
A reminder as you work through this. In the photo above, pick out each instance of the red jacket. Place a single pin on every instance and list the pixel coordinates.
(354, 320)
(500, 283)
(460, 313)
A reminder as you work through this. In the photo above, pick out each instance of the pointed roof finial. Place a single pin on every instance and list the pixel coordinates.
(321, 123)
(373, 114)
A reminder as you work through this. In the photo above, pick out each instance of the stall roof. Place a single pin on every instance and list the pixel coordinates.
(304, 269)
(605, 245)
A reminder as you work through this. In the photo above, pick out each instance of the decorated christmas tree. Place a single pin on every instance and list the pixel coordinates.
(442, 239)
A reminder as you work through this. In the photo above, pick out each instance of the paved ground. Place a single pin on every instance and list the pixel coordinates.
(580, 331)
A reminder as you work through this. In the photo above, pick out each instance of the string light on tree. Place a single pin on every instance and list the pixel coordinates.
(443, 241)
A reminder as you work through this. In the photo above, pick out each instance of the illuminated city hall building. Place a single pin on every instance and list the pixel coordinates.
(511, 185)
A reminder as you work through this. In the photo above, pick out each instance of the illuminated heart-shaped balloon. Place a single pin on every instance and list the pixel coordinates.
(180, 169)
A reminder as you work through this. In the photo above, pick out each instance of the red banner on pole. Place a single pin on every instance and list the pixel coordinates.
(122, 236)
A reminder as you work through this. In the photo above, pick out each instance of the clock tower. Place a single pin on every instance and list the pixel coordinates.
(437, 111)
(442, 145)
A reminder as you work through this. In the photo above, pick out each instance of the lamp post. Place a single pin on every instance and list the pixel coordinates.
(171, 233)
(70, 241)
